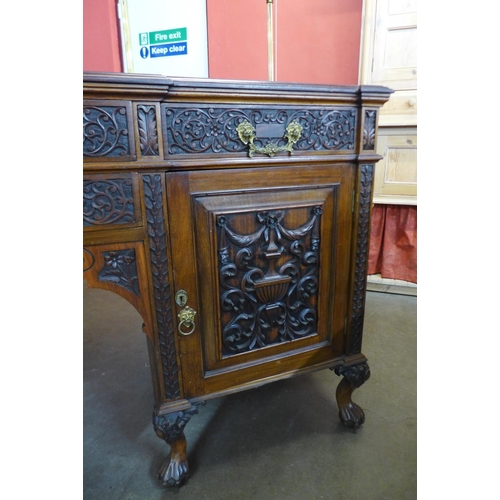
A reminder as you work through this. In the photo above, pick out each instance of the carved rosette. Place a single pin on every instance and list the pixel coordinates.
(268, 281)
(148, 130)
(362, 247)
(153, 193)
(369, 130)
(108, 201)
(105, 131)
(214, 130)
(120, 268)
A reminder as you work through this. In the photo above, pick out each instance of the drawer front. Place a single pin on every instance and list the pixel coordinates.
(108, 131)
(111, 200)
(216, 130)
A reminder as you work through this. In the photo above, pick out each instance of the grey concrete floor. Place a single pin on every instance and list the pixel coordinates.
(282, 441)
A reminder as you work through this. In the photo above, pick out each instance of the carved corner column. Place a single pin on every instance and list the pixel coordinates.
(362, 243)
(355, 375)
(168, 426)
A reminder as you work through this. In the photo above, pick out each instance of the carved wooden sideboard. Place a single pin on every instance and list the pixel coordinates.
(234, 216)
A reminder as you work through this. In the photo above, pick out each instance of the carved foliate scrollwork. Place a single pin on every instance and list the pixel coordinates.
(358, 304)
(356, 374)
(369, 130)
(214, 130)
(105, 131)
(153, 195)
(108, 201)
(268, 281)
(148, 130)
(120, 268)
(170, 427)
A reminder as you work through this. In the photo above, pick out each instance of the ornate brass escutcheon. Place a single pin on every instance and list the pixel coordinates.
(186, 321)
(246, 133)
(181, 298)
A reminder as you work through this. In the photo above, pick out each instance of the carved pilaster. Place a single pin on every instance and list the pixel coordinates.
(153, 193)
(362, 248)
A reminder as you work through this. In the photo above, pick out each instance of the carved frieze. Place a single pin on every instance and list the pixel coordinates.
(153, 194)
(108, 201)
(268, 280)
(198, 130)
(106, 131)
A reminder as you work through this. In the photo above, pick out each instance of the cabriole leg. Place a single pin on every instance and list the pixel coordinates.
(354, 376)
(170, 427)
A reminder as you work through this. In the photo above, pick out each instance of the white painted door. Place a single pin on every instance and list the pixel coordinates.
(389, 57)
(395, 44)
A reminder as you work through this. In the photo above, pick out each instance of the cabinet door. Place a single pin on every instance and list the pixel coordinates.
(263, 256)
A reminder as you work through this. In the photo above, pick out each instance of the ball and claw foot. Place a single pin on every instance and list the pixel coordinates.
(350, 414)
(175, 470)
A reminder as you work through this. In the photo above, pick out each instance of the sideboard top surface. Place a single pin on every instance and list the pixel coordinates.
(157, 85)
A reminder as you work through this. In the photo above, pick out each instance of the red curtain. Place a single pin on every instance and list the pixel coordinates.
(393, 242)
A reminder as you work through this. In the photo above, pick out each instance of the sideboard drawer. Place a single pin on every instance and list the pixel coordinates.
(215, 129)
(111, 200)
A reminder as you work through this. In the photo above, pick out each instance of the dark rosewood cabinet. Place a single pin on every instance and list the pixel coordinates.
(235, 217)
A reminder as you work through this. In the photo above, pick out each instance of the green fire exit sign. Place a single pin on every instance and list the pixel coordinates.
(165, 36)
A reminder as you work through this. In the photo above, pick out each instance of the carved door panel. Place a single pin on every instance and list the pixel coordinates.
(263, 257)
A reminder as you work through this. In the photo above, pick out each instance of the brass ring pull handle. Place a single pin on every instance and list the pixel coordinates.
(246, 133)
(186, 321)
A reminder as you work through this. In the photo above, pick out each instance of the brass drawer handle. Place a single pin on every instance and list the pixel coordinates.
(186, 318)
(246, 133)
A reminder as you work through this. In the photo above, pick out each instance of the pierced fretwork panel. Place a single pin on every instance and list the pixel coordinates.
(268, 276)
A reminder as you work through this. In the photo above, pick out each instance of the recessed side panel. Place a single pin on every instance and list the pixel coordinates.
(268, 253)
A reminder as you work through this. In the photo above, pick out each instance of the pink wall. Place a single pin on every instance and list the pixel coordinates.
(101, 36)
(237, 39)
(318, 41)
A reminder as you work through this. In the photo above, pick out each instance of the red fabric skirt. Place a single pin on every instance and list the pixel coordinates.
(393, 242)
